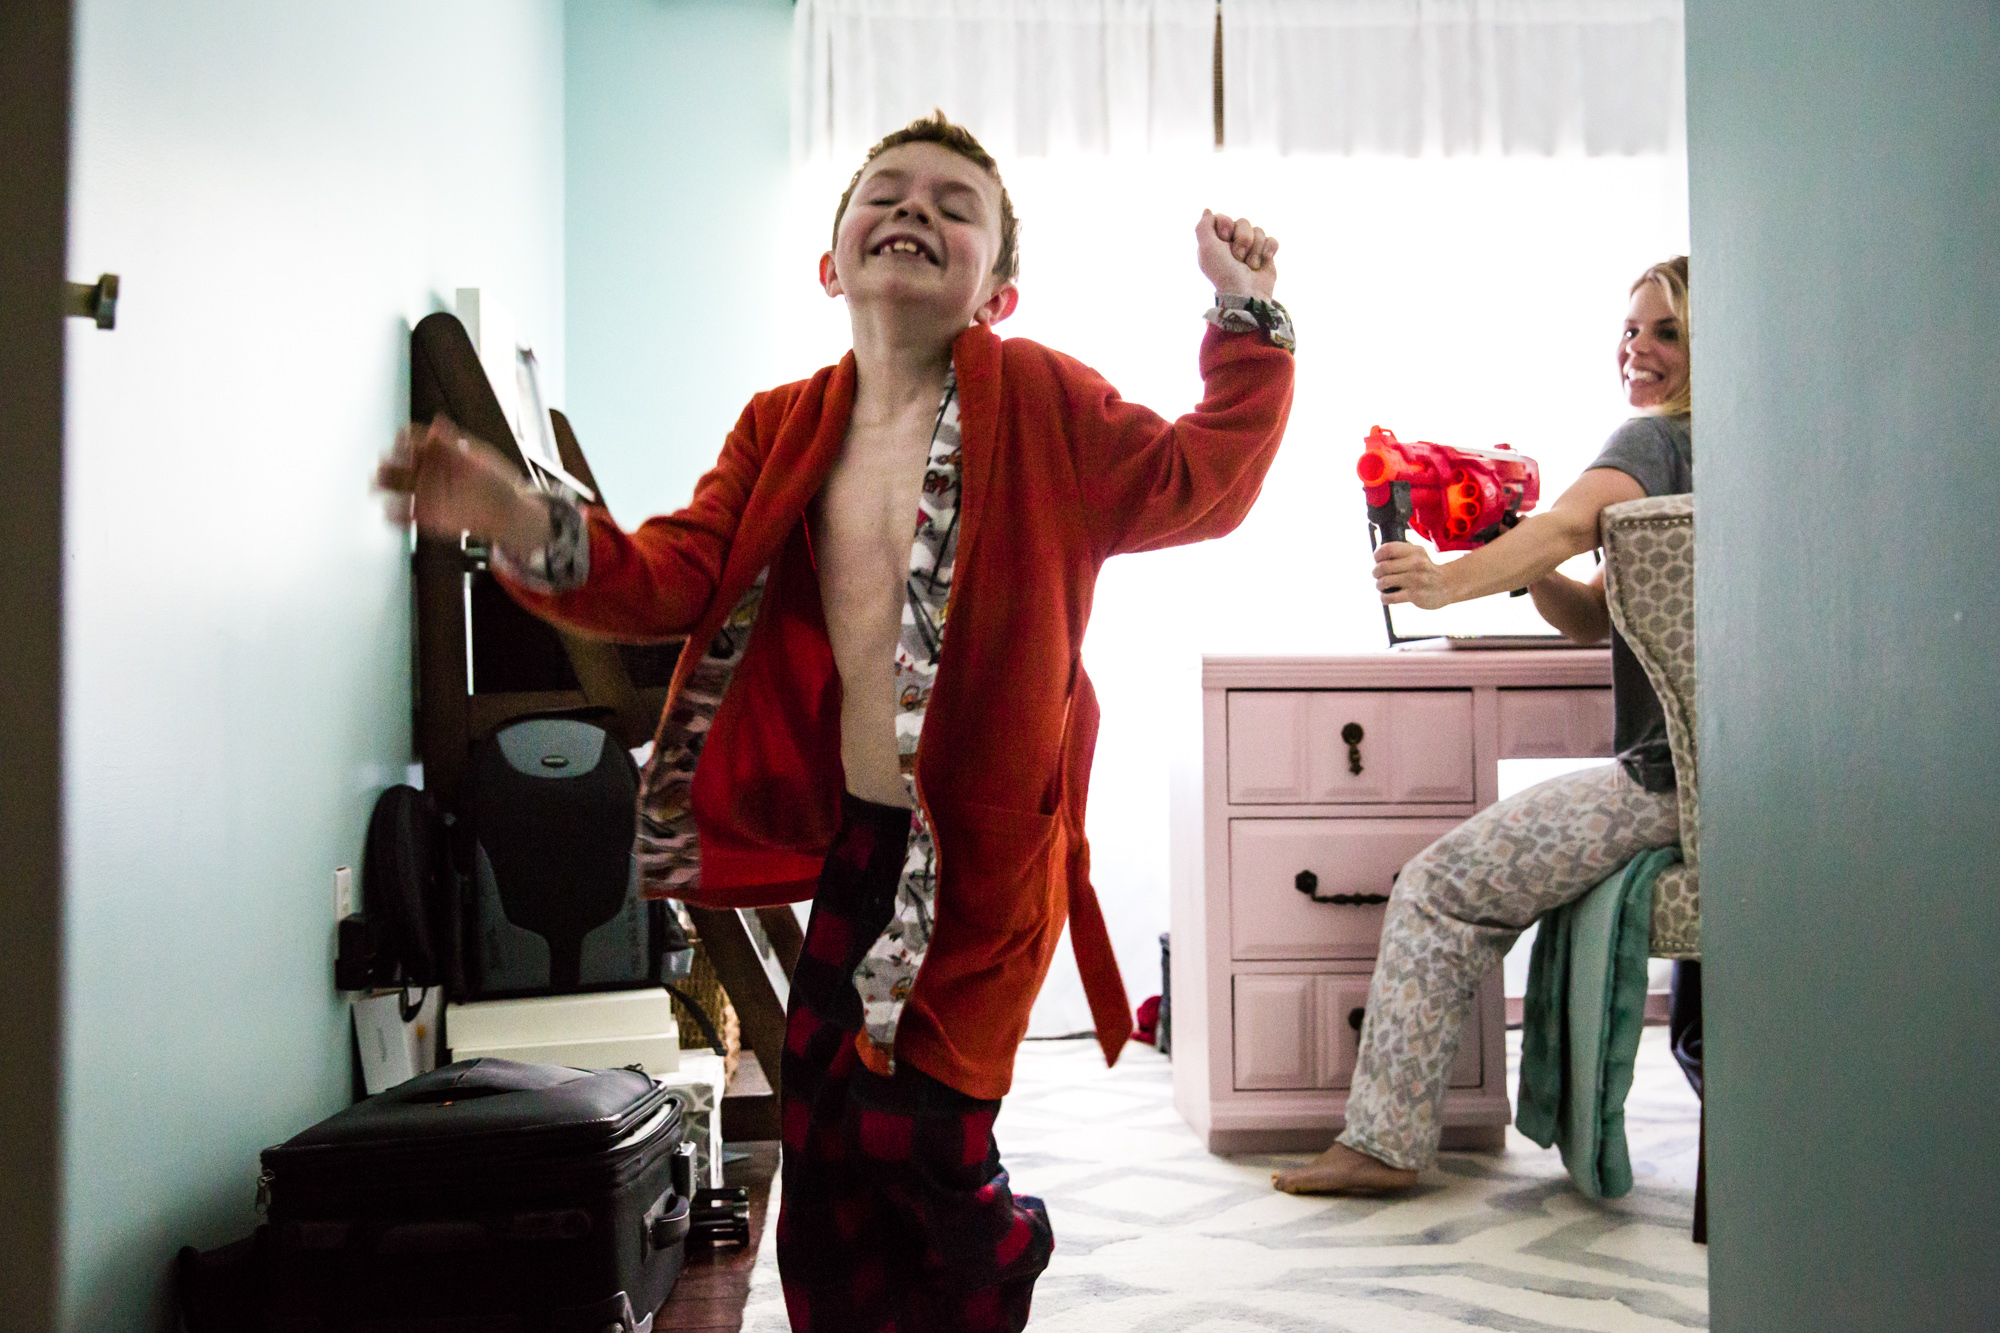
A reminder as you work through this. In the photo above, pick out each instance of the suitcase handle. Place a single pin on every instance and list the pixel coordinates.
(671, 1227)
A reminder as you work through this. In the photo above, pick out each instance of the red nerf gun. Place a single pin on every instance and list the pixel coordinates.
(1455, 498)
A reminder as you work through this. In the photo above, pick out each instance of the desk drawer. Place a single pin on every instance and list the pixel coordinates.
(1303, 1030)
(1292, 747)
(1555, 724)
(1270, 916)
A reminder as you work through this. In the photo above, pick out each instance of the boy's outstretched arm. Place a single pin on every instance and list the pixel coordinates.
(654, 583)
(1148, 482)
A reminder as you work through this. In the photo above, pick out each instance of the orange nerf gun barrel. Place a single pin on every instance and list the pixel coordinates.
(1455, 498)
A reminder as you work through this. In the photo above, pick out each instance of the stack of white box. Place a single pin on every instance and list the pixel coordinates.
(606, 1030)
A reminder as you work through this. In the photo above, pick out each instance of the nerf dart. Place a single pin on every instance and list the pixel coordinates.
(1456, 499)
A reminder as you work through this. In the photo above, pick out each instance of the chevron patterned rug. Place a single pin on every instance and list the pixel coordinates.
(1156, 1235)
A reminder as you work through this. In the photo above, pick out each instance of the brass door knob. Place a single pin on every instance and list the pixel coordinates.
(94, 301)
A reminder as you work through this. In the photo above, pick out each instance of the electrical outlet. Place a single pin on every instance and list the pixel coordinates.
(343, 892)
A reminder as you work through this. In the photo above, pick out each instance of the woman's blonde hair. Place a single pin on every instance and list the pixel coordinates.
(1671, 277)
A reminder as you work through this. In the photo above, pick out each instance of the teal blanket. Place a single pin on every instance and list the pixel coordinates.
(1585, 1006)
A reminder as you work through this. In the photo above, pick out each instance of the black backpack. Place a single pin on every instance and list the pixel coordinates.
(534, 892)
(550, 900)
(404, 936)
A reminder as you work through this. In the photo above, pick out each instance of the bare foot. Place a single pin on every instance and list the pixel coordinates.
(1342, 1170)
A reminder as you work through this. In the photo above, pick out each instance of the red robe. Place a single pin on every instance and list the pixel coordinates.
(1059, 473)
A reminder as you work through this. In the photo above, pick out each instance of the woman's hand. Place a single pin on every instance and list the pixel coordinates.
(1405, 572)
(448, 483)
(1517, 558)
(1235, 256)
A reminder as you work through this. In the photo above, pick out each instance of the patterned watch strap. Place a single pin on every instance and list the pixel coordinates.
(563, 562)
(1250, 314)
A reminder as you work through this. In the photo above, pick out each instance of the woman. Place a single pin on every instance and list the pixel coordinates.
(1463, 901)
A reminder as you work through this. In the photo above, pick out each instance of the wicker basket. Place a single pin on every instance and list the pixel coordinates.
(706, 989)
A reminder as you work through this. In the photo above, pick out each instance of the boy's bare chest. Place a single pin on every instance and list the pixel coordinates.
(865, 519)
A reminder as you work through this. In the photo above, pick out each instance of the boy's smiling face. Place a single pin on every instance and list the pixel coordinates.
(920, 237)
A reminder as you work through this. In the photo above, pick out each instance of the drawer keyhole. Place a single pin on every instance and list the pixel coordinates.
(1355, 1016)
(1352, 734)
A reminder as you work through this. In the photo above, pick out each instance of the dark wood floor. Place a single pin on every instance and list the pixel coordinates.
(714, 1285)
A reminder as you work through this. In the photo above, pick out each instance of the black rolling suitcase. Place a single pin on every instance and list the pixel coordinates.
(487, 1195)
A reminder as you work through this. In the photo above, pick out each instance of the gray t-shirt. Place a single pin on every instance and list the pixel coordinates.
(1658, 453)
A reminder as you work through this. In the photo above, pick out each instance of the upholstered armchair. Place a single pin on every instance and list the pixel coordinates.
(1649, 586)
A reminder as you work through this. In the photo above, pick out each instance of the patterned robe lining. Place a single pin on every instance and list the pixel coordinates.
(668, 846)
(888, 971)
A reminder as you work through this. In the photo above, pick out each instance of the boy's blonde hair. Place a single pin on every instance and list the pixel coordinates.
(936, 128)
(1671, 277)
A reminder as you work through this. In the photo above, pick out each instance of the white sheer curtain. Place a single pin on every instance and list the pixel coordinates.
(1408, 78)
(1031, 78)
(1400, 78)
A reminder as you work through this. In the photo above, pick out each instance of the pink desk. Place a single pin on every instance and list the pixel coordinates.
(1318, 777)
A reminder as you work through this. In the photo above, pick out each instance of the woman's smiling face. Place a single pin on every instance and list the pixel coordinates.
(1652, 350)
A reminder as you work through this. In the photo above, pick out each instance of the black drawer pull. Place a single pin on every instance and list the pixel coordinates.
(1307, 882)
(1355, 1017)
(1352, 734)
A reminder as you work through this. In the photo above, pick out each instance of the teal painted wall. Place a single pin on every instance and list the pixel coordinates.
(284, 189)
(678, 154)
(1845, 183)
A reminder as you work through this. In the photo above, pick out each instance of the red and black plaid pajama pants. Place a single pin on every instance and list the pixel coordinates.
(895, 1214)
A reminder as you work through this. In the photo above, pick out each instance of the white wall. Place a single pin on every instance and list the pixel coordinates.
(283, 189)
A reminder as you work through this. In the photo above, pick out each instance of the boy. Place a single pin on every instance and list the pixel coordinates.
(788, 763)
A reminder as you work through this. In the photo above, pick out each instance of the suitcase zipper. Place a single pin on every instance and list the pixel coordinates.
(503, 1143)
(414, 1173)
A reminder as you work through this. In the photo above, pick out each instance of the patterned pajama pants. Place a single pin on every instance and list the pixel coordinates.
(1457, 907)
(895, 1214)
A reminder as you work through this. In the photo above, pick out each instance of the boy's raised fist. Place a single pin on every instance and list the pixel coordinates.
(1236, 256)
